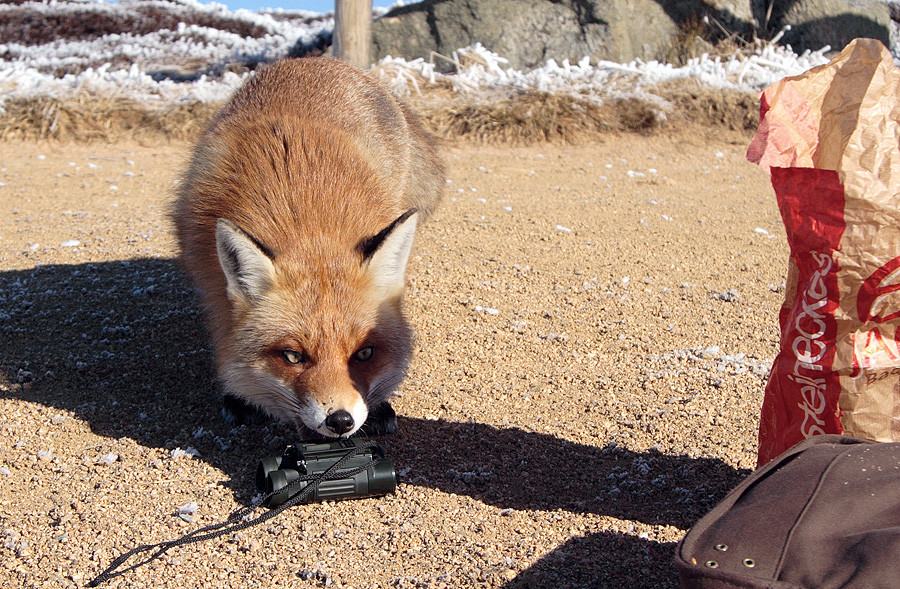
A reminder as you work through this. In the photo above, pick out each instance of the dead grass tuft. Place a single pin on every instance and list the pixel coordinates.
(91, 119)
(697, 35)
(536, 117)
(711, 108)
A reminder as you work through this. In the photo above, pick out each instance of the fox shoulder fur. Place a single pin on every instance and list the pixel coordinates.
(295, 219)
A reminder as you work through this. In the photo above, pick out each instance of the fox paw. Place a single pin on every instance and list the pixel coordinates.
(238, 412)
(382, 420)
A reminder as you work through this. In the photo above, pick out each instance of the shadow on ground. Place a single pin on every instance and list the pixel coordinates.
(122, 346)
(511, 468)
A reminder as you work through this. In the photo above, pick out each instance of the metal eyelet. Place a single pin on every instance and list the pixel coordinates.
(749, 563)
(721, 547)
(712, 564)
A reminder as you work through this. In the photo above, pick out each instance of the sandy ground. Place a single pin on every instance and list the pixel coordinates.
(594, 328)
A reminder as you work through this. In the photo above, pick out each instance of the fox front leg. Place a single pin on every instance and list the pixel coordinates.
(381, 420)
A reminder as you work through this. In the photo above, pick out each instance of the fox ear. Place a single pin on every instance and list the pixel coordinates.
(248, 268)
(387, 253)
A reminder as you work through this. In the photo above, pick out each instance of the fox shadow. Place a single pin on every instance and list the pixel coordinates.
(511, 468)
(122, 346)
(514, 469)
(118, 344)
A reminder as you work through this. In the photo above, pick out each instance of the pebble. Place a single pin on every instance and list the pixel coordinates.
(188, 511)
(107, 459)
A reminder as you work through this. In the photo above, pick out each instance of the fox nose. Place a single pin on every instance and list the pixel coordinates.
(340, 422)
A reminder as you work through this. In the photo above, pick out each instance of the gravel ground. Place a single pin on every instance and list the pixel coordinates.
(594, 328)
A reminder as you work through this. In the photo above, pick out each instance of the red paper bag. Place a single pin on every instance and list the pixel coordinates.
(830, 139)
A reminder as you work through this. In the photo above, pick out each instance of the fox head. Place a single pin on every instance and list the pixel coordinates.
(318, 336)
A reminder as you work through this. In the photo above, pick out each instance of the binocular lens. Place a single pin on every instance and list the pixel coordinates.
(278, 482)
(265, 467)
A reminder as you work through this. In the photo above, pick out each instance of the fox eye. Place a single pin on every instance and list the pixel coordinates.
(292, 357)
(364, 354)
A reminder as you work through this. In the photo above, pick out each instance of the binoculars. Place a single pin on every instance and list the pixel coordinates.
(276, 473)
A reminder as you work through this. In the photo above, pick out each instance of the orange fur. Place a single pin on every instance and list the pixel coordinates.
(309, 159)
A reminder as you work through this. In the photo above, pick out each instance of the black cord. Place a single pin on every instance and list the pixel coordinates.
(234, 523)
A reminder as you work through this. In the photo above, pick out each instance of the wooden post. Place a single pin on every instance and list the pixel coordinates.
(352, 40)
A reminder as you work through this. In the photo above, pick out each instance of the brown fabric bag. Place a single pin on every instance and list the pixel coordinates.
(824, 514)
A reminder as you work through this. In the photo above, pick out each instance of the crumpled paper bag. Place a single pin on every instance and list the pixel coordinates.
(830, 139)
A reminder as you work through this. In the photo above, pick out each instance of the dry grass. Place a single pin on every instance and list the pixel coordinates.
(29, 24)
(527, 118)
(532, 117)
(535, 117)
(712, 108)
(691, 40)
(90, 119)
(697, 35)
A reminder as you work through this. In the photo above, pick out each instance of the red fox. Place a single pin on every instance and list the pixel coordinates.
(295, 219)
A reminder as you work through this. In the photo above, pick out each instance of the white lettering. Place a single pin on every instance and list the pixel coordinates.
(803, 351)
(808, 351)
(817, 319)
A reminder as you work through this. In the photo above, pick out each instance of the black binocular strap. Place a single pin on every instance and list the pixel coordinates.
(234, 523)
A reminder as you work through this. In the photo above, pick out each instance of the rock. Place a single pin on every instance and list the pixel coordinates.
(817, 23)
(529, 32)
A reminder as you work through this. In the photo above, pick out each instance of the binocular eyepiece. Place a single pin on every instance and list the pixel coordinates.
(276, 473)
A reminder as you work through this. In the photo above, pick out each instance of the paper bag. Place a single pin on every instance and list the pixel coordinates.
(830, 140)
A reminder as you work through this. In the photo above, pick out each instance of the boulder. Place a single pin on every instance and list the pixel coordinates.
(817, 23)
(529, 32)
